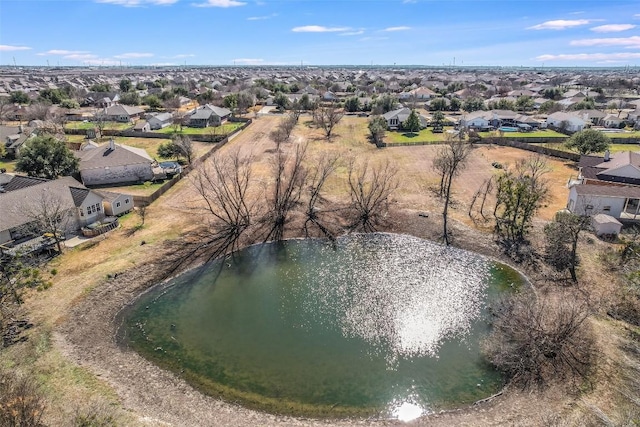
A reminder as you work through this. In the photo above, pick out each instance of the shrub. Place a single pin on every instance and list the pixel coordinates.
(535, 342)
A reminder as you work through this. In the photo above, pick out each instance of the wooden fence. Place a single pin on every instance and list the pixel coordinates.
(147, 200)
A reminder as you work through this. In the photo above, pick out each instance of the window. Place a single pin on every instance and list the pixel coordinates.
(126, 201)
(117, 204)
(88, 210)
(99, 207)
(588, 207)
(606, 209)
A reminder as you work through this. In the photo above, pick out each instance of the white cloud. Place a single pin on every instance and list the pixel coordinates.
(560, 24)
(389, 29)
(319, 29)
(136, 3)
(590, 57)
(133, 55)
(248, 61)
(630, 42)
(81, 56)
(261, 18)
(184, 55)
(352, 33)
(8, 48)
(62, 52)
(219, 3)
(612, 28)
(368, 39)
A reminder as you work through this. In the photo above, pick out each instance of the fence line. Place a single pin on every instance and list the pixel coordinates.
(147, 200)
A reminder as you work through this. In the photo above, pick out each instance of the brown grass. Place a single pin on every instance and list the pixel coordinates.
(83, 268)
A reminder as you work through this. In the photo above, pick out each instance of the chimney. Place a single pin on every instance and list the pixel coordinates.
(112, 144)
(607, 156)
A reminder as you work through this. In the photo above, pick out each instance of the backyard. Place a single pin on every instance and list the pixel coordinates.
(217, 130)
(425, 135)
(90, 125)
(543, 133)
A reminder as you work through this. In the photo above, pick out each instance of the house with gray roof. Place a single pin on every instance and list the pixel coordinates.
(13, 137)
(160, 120)
(395, 118)
(22, 199)
(208, 115)
(116, 164)
(121, 113)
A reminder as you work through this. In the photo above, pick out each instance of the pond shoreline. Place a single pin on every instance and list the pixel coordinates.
(158, 397)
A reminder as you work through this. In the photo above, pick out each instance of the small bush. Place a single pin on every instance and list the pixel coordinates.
(21, 402)
(96, 415)
(535, 342)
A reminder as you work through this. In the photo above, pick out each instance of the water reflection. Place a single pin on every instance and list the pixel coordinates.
(378, 324)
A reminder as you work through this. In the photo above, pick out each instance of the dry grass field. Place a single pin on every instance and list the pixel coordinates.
(82, 269)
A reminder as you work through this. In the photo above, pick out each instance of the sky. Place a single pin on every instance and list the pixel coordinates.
(549, 33)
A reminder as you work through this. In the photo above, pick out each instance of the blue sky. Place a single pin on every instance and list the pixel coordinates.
(320, 32)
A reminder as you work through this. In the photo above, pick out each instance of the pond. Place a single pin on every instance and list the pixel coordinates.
(374, 325)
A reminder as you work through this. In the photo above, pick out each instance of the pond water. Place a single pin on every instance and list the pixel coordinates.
(375, 325)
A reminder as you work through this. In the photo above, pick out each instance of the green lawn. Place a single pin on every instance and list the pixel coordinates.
(90, 125)
(425, 135)
(624, 135)
(523, 135)
(613, 148)
(217, 130)
(9, 165)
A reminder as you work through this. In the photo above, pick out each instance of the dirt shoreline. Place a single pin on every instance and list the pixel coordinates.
(158, 397)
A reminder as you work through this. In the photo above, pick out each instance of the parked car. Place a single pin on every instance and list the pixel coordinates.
(171, 168)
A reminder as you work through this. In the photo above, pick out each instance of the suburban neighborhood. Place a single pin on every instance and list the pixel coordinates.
(115, 179)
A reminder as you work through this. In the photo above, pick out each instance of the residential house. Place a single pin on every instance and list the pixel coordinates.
(618, 201)
(476, 120)
(13, 137)
(116, 164)
(22, 198)
(567, 121)
(612, 121)
(421, 94)
(160, 120)
(593, 116)
(121, 113)
(101, 99)
(208, 115)
(116, 204)
(142, 126)
(621, 168)
(395, 118)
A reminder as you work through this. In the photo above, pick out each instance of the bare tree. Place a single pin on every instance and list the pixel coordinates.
(49, 215)
(325, 167)
(184, 144)
(38, 111)
(289, 177)
(282, 133)
(561, 237)
(370, 189)
(536, 341)
(450, 161)
(484, 190)
(327, 118)
(224, 185)
(519, 194)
